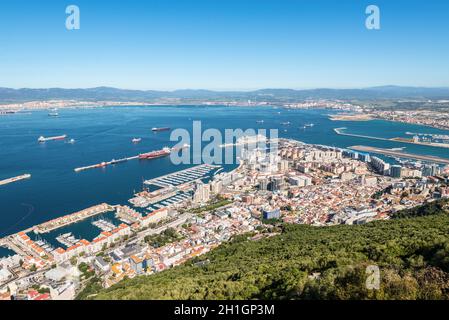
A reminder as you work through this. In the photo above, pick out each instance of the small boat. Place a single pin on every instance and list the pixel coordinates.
(53, 113)
(72, 141)
(136, 140)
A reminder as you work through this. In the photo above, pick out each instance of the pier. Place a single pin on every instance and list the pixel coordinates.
(105, 164)
(183, 176)
(114, 161)
(400, 154)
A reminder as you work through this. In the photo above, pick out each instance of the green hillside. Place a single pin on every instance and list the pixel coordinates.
(307, 262)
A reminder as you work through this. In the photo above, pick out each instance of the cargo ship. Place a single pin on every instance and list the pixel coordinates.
(160, 129)
(44, 139)
(155, 154)
(15, 179)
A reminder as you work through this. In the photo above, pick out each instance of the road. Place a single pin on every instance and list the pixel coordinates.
(400, 154)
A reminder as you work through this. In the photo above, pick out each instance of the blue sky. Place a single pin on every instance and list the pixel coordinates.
(223, 44)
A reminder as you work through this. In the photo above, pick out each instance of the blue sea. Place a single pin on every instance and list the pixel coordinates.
(103, 134)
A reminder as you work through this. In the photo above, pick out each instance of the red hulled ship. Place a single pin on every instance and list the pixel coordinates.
(155, 154)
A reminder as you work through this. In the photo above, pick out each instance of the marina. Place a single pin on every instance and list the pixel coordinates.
(104, 225)
(72, 218)
(183, 177)
(67, 239)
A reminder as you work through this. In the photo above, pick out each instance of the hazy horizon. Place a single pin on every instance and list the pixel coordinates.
(231, 89)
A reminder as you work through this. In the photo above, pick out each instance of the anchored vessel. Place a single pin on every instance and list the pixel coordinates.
(155, 154)
(44, 139)
(15, 179)
(160, 129)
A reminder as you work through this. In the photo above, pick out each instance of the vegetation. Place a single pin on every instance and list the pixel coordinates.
(92, 287)
(306, 262)
(40, 289)
(159, 240)
(212, 206)
(86, 271)
(431, 208)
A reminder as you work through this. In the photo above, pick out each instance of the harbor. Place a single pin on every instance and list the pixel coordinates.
(58, 191)
(173, 189)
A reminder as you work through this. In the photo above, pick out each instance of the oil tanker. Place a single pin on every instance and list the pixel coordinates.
(44, 139)
(155, 154)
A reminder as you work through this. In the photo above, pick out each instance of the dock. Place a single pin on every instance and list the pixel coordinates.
(182, 177)
(400, 154)
(105, 164)
(122, 160)
(57, 223)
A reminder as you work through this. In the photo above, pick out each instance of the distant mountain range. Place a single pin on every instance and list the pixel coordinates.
(8, 95)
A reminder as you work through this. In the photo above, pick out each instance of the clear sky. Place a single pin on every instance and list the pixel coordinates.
(223, 44)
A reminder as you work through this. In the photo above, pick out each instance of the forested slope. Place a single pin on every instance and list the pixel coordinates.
(307, 262)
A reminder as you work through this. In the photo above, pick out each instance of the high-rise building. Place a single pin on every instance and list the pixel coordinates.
(380, 166)
(201, 193)
(263, 184)
(276, 184)
(216, 186)
(283, 166)
(396, 171)
(271, 214)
